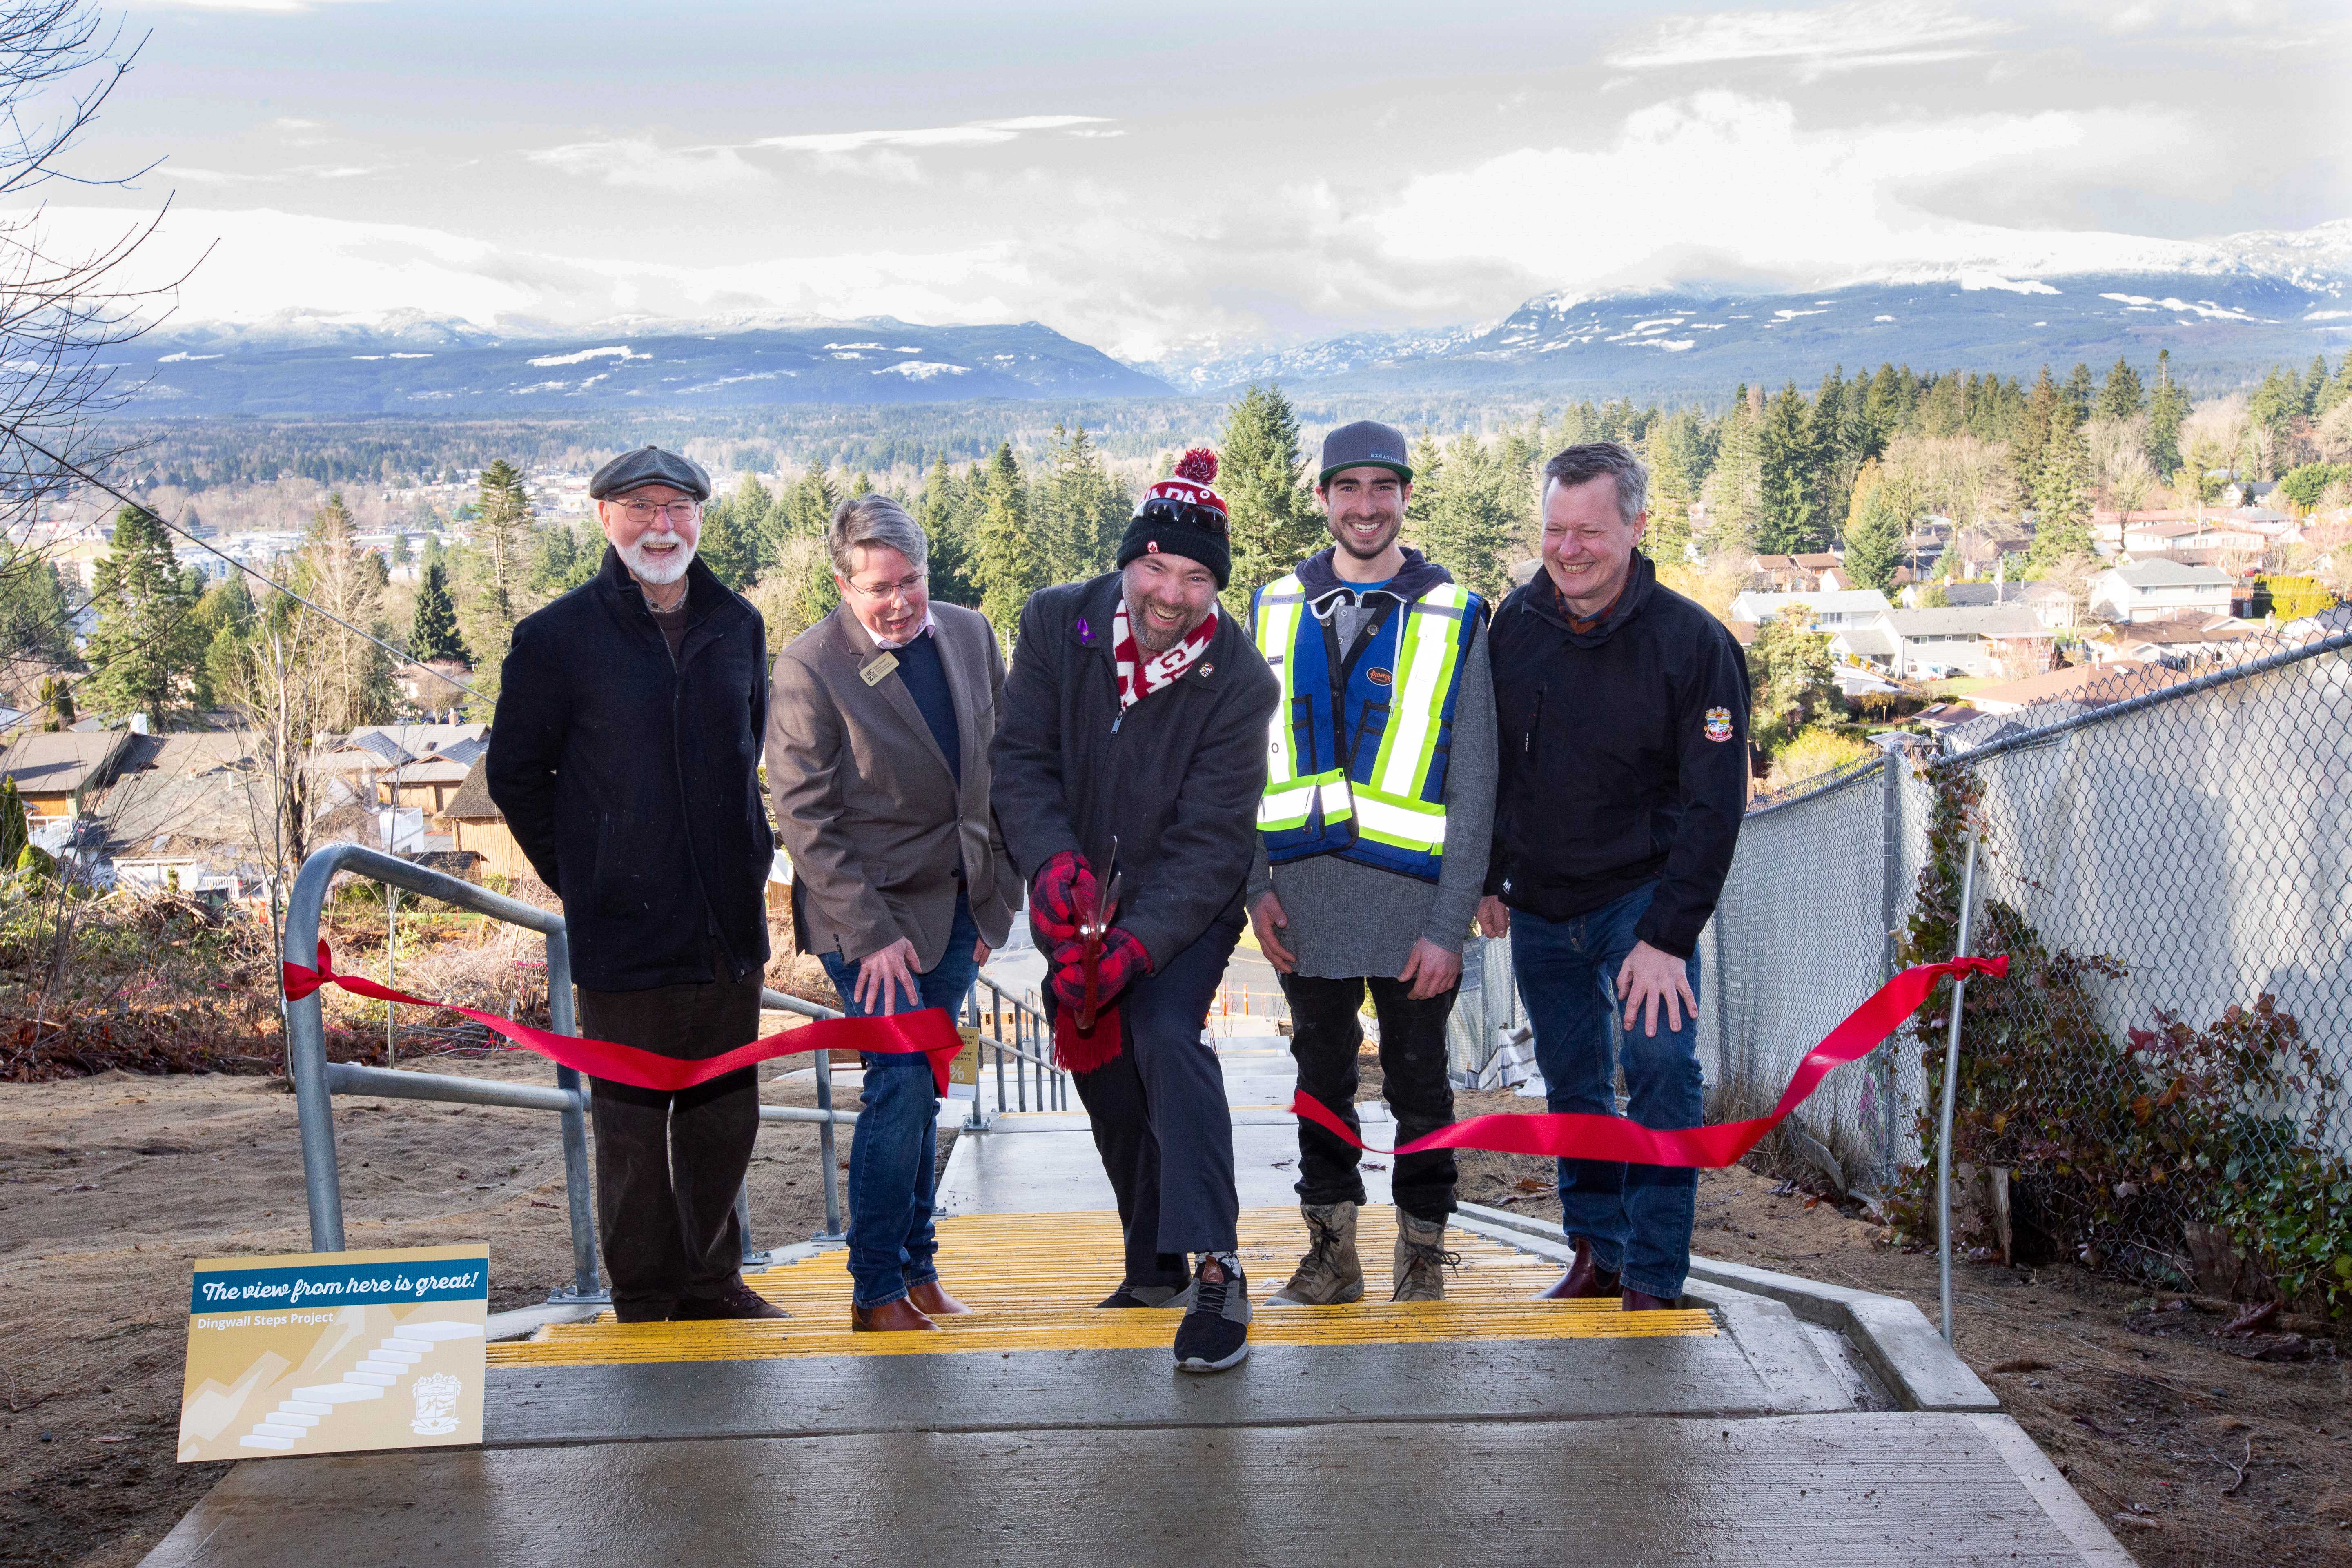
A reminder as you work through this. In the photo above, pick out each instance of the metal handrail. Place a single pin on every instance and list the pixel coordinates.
(317, 1081)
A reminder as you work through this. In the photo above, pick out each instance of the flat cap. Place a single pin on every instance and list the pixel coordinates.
(648, 465)
(1366, 444)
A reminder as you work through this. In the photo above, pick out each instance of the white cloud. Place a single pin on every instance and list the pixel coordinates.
(1856, 34)
(1724, 187)
(973, 133)
(638, 162)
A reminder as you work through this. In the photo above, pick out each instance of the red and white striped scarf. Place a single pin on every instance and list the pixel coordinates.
(1139, 678)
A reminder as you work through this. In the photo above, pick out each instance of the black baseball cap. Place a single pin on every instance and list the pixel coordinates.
(1366, 444)
(648, 465)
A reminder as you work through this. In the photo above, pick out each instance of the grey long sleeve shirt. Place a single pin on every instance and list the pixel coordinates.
(1347, 920)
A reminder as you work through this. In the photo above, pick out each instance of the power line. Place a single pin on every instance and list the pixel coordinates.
(96, 483)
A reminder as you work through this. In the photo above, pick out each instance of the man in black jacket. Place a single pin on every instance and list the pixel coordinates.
(1135, 716)
(626, 756)
(1622, 717)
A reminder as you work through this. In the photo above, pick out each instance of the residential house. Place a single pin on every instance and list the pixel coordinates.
(2196, 535)
(2060, 693)
(1980, 640)
(2052, 605)
(2147, 590)
(188, 813)
(478, 828)
(2180, 641)
(1794, 573)
(2248, 492)
(57, 770)
(404, 765)
(1823, 612)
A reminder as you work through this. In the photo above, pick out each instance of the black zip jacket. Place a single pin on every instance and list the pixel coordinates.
(1623, 756)
(632, 783)
(1176, 779)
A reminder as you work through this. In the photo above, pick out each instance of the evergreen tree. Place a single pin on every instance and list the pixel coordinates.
(561, 559)
(1876, 526)
(1734, 490)
(2277, 402)
(1676, 452)
(2121, 398)
(1263, 476)
(2167, 408)
(2080, 393)
(1473, 516)
(1079, 510)
(939, 512)
(733, 533)
(2315, 384)
(1011, 567)
(433, 631)
(1789, 505)
(36, 627)
(1790, 675)
(2061, 492)
(147, 651)
(2043, 408)
(493, 579)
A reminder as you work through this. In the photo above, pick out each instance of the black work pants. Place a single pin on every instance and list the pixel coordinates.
(668, 1165)
(1161, 1121)
(1325, 1038)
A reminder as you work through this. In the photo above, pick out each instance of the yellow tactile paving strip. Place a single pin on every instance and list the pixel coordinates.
(1033, 1279)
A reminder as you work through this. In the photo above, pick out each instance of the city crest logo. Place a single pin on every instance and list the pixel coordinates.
(1718, 723)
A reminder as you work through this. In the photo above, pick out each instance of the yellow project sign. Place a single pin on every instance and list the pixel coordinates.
(327, 1353)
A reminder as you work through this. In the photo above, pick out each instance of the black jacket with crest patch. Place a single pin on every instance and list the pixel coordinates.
(1623, 756)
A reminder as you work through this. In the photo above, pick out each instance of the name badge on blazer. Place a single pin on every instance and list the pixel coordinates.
(875, 668)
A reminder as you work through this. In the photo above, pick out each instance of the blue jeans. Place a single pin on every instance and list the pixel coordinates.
(894, 1155)
(1637, 1218)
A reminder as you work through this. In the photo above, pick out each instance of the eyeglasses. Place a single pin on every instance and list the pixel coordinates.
(643, 511)
(904, 588)
(1184, 514)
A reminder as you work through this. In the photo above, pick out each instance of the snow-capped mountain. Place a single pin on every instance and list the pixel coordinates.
(2224, 306)
(303, 364)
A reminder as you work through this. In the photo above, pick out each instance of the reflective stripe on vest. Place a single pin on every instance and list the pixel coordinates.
(1384, 805)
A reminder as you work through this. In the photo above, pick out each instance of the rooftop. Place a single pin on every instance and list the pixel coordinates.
(2169, 574)
(472, 802)
(1977, 620)
(60, 761)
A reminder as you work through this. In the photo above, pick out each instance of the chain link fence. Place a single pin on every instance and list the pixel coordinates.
(2159, 1087)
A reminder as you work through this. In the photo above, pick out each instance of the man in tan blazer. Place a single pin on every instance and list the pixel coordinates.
(878, 729)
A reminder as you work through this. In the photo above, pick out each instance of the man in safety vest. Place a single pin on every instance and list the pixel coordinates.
(1373, 837)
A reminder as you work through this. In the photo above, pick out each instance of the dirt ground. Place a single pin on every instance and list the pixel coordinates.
(111, 1186)
(2195, 1453)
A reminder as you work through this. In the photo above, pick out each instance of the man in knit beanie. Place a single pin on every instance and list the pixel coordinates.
(1127, 767)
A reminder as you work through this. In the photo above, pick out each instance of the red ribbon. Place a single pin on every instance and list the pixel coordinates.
(928, 1031)
(1579, 1135)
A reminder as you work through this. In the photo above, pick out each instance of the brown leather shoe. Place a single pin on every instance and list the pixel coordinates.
(1583, 1280)
(890, 1318)
(1639, 1301)
(735, 1299)
(933, 1301)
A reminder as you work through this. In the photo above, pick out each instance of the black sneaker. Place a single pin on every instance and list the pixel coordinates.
(735, 1299)
(1215, 1334)
(1176, 1295)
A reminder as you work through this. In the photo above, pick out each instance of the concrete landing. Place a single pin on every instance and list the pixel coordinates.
(1487, 1428)
(1949, 1489)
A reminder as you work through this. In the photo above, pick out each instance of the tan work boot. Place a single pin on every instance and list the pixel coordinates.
(1421, 1259)
(1331, 1275)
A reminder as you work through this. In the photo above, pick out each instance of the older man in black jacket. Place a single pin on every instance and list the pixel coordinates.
(1622, 715)
(1135, 718)
(626, 756)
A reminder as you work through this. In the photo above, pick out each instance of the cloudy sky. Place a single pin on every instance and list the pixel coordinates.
(1215, 173)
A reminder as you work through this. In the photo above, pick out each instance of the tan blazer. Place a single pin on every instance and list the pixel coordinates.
(866, 804)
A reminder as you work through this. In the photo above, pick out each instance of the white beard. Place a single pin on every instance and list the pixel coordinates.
(662, 569)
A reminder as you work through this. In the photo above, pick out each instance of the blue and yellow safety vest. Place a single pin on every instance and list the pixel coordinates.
(1357, 751)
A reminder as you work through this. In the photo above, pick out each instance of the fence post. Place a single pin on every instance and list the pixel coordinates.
(832, 1231)
(974, 1122)
(579, 1196)
(306, 1061)
(1890, 904)
(1951, 1074)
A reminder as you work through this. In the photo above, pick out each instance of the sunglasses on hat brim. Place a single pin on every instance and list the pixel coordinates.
(1184, 514)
